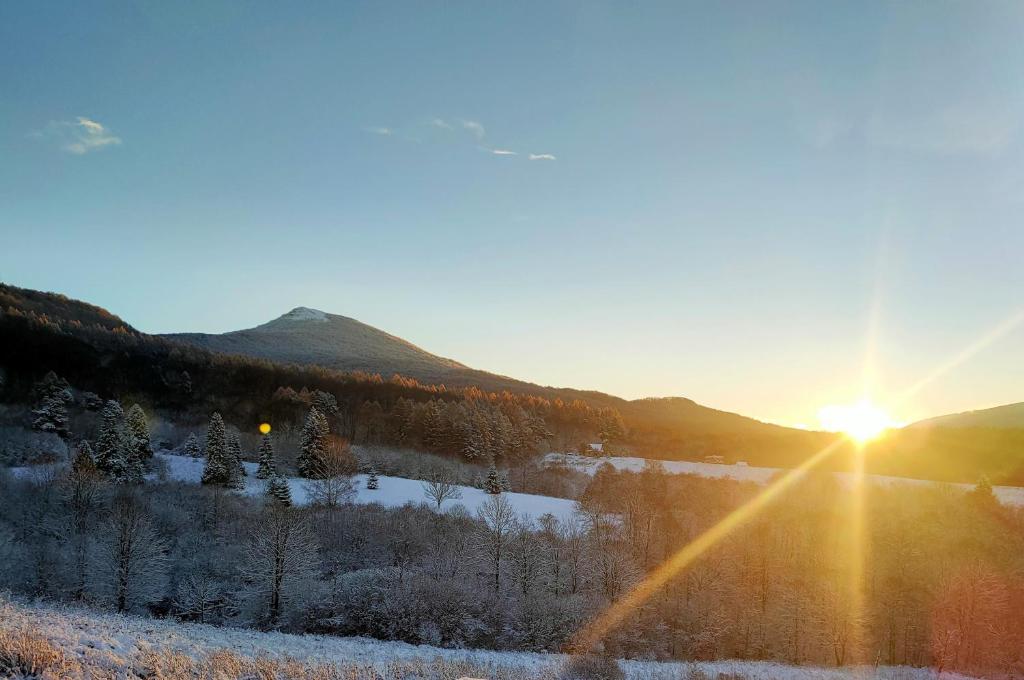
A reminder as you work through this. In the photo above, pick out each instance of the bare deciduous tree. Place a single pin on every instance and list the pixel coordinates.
(441, 487)
(281, 551)
(134, 553)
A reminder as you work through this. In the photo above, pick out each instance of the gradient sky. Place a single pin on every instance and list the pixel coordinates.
(724, 194)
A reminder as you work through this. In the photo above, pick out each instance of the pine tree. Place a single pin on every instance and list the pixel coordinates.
(492, 483)
(50, 413)
(216, 471)
(371, 479)
(192, 448)
(138, 430)
(267, 466)
(112, 450)
(313, 445)
(278, 490)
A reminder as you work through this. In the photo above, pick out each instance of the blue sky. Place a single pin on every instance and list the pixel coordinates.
(726, 190)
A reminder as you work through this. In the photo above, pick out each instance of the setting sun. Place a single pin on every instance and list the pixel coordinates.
(861, 421)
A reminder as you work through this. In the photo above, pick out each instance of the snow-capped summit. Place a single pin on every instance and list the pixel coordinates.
(304, 314)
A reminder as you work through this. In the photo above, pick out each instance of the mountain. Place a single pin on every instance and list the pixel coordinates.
(195, 372)
(1008, 416)
(311, 337)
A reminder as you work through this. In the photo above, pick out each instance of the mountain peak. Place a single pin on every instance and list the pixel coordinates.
(304, 314)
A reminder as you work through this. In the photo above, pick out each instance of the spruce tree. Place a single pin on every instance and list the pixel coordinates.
(313, 445)
(278, 490)
(267, 466)
(216, 471)
(50, 414)
(83, 463)
(371, 479)
(191, 447)
(112, 454)
(138, 429)
(492, 483)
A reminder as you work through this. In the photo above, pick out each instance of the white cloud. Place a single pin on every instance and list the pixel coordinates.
(383, 131)
(474, 127)
(504, 152)
(79, 136)
(440, 123)
(543, 157)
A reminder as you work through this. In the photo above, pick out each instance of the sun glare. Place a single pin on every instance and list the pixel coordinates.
(861, 421)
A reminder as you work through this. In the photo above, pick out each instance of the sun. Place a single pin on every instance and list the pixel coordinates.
(862, 421)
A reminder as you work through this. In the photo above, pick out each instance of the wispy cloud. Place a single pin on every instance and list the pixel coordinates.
(441, 123)
(474, 127)
(503, 152)
(383, 131)
(542, 157)
(953, 130)
(79, 136)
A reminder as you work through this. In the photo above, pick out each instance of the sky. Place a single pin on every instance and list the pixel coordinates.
(733, 202)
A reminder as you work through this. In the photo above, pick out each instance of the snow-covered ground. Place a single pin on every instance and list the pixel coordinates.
(392, 491)
(1008, 495)
(114, 642)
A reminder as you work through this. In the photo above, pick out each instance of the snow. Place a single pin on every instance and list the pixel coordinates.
(393, 492)
(111, 641)
(1007, 495)
(305, 314)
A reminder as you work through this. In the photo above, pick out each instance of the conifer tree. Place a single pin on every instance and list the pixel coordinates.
(83, 463)
(50, 413)
(492, 483)
(112, 454)
(138, 430)
(372, 482)
(278, 490)
(216, 471)
(313, 445)
(267, 465)
(192, 448)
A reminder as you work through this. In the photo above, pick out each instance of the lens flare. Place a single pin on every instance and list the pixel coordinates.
(862, 421)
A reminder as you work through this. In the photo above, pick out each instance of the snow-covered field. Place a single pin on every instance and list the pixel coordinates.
(392, 491)
(115, 643)
(1008, 495)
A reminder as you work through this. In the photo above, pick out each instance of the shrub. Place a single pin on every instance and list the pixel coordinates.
(591, 667)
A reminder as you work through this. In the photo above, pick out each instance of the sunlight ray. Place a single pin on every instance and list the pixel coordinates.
(641, 592)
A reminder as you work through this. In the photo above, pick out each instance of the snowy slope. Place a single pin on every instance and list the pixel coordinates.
(393, 491)
(112, 642)
(1008, 495)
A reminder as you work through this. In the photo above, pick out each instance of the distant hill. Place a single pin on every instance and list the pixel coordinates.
(240, 373)
(1001, 417)
(309, 336)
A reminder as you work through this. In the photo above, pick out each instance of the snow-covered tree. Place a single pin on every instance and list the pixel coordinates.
(282, 552)
(217, 470)
(441, 487)
(313, 445)
(279, 491)
(325, 402)
(267, 465)
(192, 447)
(133, 553)
(138, 431)
(492, 482)
(112, 453)
(50, 414)
(372, 482)
(333, 484)
(234, 460)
